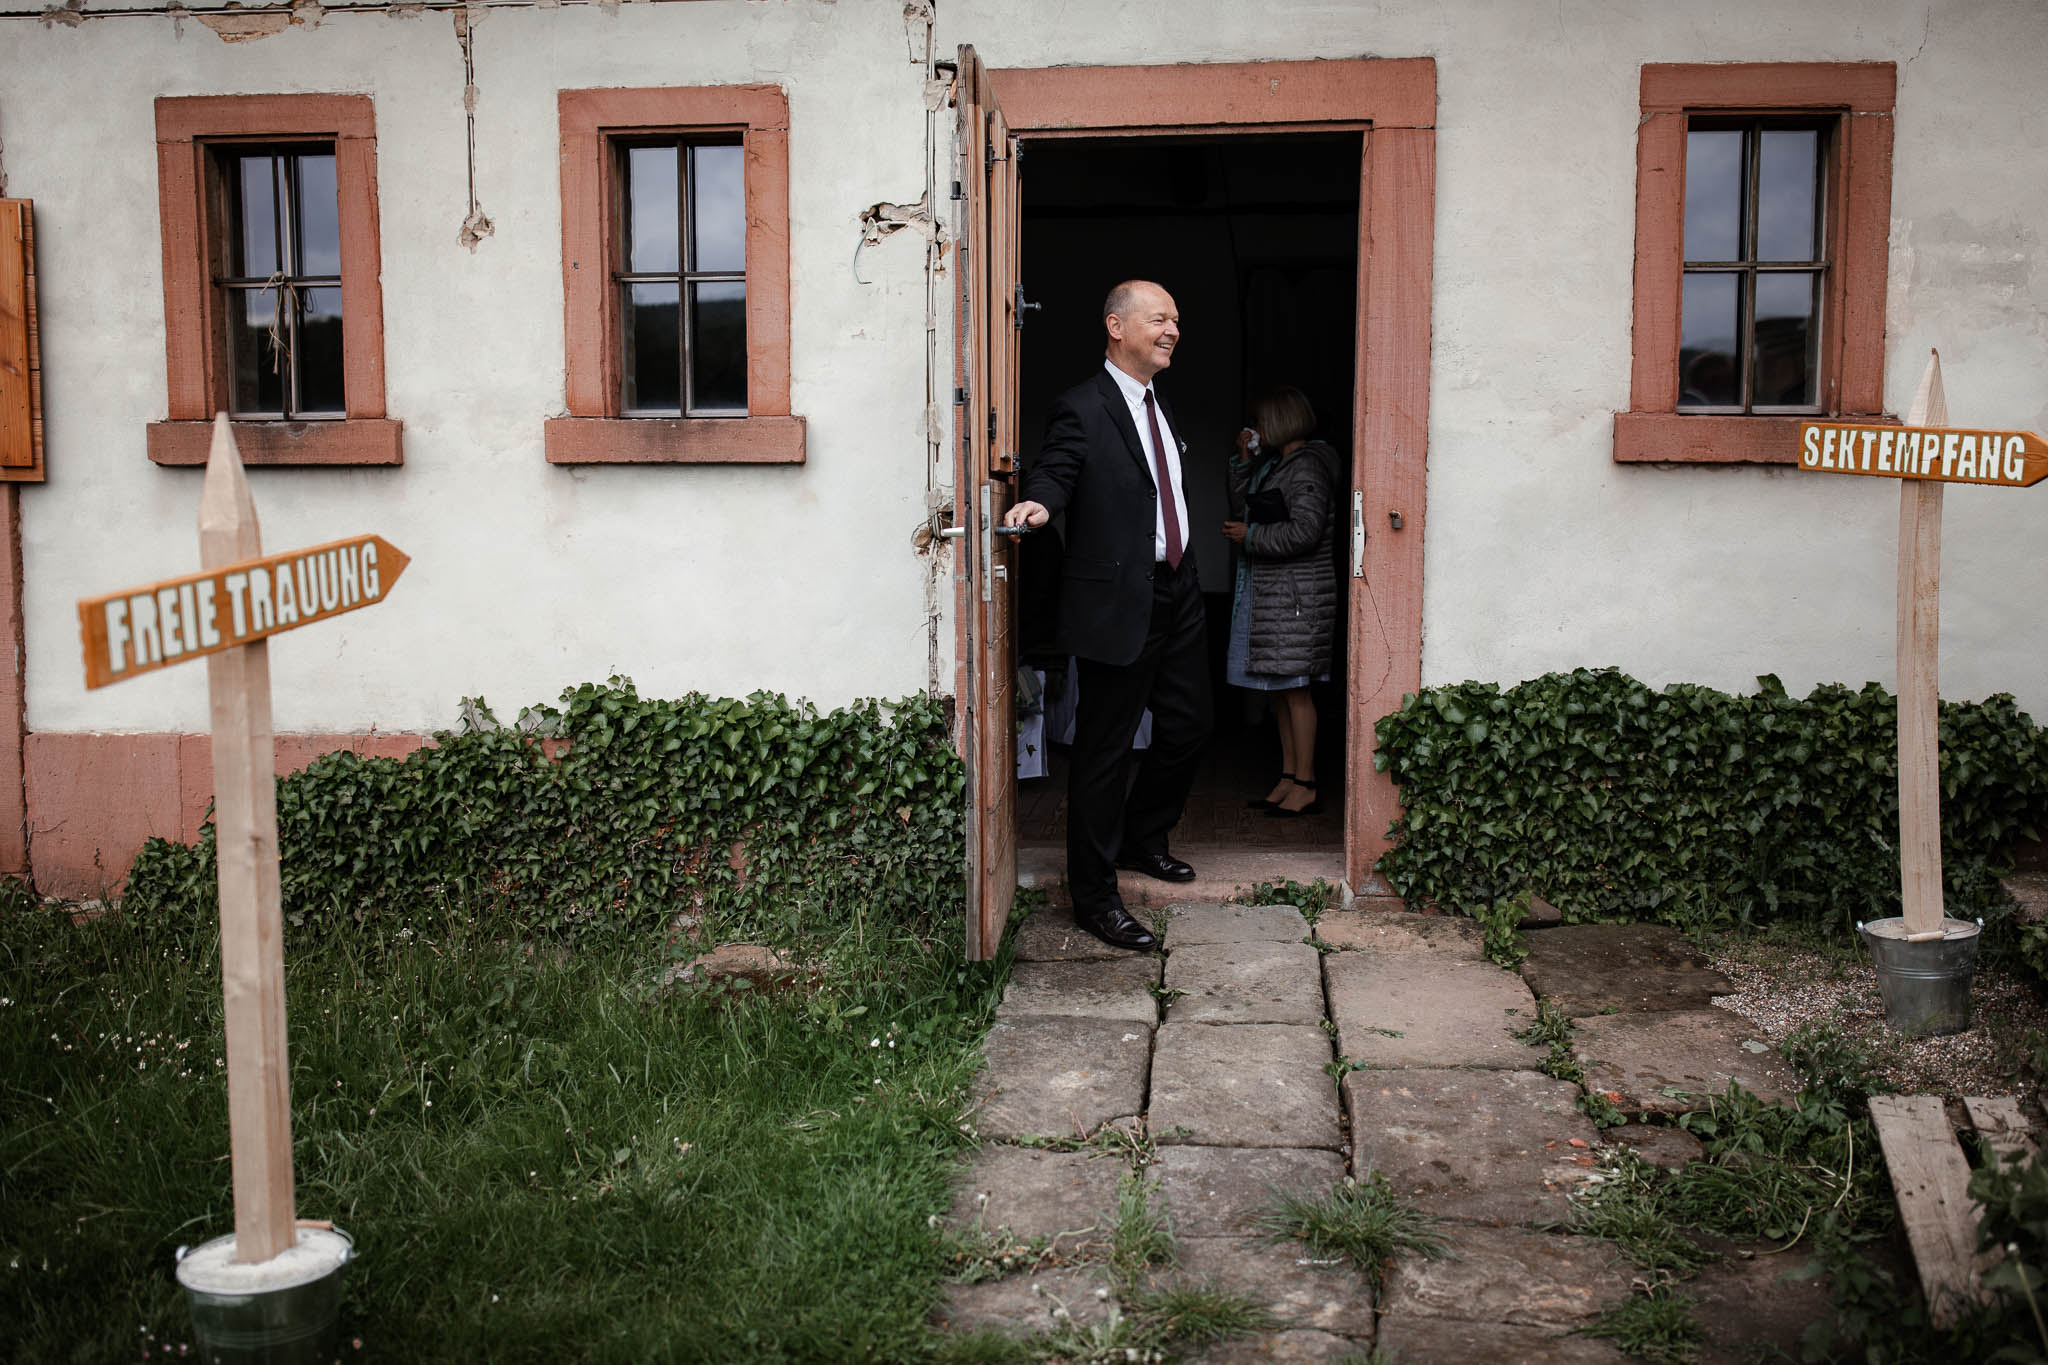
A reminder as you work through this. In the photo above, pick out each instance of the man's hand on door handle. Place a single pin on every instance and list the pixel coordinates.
(1027, 515)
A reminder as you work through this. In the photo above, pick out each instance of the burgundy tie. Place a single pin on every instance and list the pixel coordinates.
(1165, 484)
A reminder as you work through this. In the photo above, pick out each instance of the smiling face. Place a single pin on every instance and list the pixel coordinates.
(1143, 332)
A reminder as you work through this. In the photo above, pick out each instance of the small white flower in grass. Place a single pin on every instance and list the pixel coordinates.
(1101, 1293)
(872, 1042)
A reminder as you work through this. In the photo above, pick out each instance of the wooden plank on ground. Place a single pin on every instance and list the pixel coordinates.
(2000, 1122)
(1931, 1181)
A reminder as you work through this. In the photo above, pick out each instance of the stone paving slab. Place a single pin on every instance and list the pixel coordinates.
(1069, 1197)
(1693, 1052)
(1423, 1009)
(1668, 1149)
(1406, 1339)
(1251, 982)
(1489, 1146)
(1298, 1288)
(1222, 1191)
(1243, 1085)
(1299, 1347)
(1015, 1305)
(1587, 969)
(1192, 924)
(1399, 931)
(1052, 936)
(1119, 989)
(1508, 1275)
(1060, 1076)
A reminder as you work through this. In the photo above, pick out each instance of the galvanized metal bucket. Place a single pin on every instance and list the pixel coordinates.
(1926, 985)
(291, 1322)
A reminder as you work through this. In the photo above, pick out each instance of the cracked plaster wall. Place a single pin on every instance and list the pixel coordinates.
(1542, 553)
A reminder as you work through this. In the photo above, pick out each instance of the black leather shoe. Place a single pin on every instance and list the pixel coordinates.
(1164, 866)
(1113, 925)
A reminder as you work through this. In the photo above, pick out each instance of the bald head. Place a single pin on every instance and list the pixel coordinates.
(1143, 327)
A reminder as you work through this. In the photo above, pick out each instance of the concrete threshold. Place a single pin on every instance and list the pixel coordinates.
(1222, 872)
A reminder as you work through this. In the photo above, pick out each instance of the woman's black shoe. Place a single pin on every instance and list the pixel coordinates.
(1314, 807)
(1261, 803)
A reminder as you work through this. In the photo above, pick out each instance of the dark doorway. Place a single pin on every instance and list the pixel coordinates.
(1256, 237)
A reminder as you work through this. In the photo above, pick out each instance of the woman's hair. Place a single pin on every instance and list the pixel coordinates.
(1283, 416)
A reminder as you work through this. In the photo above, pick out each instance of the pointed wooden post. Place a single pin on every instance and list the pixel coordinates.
(1918, 678)
(251, 918)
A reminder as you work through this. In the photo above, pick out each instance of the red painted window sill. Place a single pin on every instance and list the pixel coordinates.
(763, 439)
(1684, 438)
(350, 441)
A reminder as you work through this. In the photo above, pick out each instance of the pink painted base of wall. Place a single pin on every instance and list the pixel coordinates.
(94, 799)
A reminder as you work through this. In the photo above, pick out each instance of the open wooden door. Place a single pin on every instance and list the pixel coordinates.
(983, 489)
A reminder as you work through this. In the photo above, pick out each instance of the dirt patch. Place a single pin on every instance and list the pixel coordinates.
(1780, 987)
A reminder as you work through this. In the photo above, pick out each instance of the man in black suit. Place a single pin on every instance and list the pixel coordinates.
(1130, 609)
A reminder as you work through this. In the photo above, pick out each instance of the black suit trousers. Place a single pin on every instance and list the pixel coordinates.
(1171, 676)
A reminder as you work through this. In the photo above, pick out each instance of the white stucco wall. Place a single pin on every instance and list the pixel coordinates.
(525, 577)
(1541, 552)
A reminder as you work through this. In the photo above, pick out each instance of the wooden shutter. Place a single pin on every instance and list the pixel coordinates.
(21, 362)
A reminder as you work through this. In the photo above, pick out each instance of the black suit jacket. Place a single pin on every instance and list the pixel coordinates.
(1093, 468)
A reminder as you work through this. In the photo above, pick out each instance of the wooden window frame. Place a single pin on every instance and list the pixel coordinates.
(595, 431)
(1861, 96)
(195, 331)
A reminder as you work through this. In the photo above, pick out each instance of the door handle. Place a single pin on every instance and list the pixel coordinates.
(1024, 306)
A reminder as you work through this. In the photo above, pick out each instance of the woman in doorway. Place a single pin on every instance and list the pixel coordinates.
(1283, 492)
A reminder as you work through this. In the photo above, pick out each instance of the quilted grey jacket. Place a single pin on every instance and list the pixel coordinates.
(1293, 598)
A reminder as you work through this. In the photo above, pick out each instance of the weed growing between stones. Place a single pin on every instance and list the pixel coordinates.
(1141, 1238)
(1659, 1326)
(1553, 1029)
(1201, 1314)
(1311, 898)
(1364, 1222)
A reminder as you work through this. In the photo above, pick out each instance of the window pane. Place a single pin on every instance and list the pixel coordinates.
(253, 245)
(718, 208)
(1788, 167)
(1708, 374)
(1785, 338)
(256, 337)
(318, 209)
(653, 212)
(319, 354)
(652, 365)
(718, 335)
(1713, 196)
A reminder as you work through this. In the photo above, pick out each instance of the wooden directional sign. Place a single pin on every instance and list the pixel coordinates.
(2007, 459)
(143, 629)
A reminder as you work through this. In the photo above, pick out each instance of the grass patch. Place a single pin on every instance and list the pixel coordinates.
(1362, 1222)
(1659, 1326)
(541, 1156)
(1201, 1314)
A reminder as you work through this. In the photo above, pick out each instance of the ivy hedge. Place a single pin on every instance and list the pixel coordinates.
(617, 812)
(1618, 801)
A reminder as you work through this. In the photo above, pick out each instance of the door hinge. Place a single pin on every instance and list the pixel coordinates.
(959, 398)
(991, 424)
(958, 193)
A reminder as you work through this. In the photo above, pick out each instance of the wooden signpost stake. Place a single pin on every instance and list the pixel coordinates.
(1924, 455)
(226, 614)
(1919, 666)
(251, 910)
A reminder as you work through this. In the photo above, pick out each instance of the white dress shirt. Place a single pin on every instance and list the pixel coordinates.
(1134, 396)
